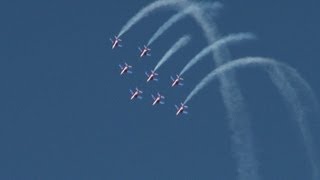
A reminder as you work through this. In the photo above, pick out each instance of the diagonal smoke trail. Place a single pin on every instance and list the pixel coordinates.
(233, 38)
(238, 116)
(283, 77)
(179, 44)
(146, 11)
(299, 111)
(231, 94)
(177, 17)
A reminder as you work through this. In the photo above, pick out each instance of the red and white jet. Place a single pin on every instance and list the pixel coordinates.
(145, 51)
(115, 42)
(181, 109)
(176, 81)
(136, 94)
(151, 77)
(125, 68)
(157, 99)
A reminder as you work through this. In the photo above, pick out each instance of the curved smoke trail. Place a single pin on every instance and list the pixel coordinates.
(231, 94)
(291, 97)
(177, 17)
(233, 38)
(179, 44)
(146, 11)
(300, 111)
(239, 118)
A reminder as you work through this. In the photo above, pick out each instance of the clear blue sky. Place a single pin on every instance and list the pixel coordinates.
(65, 111)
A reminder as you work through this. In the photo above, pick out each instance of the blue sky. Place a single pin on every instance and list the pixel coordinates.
(65, 111)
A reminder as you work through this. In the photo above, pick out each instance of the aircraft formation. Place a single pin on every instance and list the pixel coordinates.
(151, 76)
(289, 83)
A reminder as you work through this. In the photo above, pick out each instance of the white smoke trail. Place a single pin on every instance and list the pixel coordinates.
(146, 11)
(179, 44)
(239, 63)
(300, 111)
(233, 38)
(239, 119)
(232, 96)
(291, 97)
(177, 17)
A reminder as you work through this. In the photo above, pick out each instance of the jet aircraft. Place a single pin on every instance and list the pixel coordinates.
(125, 68)
(176, 81)
(136, 94)
(181, 109)
(157, 99)
(151, 76)
(145, 51)
(116, 42)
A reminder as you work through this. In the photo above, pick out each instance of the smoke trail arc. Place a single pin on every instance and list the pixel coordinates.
(183, 13)
(144, 12)
(283, 76)
(176, 46)
(240, 63)
(299, 110)
(231, 94)
(230, 39)
(197, 14)
(237, 114)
